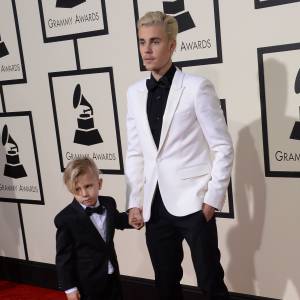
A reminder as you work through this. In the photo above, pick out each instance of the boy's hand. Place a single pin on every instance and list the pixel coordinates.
(73, 296)
(136, 218)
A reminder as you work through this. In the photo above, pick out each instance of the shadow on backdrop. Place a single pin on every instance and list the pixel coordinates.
(245, 239)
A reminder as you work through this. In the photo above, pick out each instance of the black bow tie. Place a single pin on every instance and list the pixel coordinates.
(94, 210)
(153, 84)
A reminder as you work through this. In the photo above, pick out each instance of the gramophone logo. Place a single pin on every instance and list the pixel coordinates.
(13, 168)
(268, 3)
(68, 3)
(199, 38)
(72, 19)
(176, 8)
(295, 134)
(3, 49)
(85, 134)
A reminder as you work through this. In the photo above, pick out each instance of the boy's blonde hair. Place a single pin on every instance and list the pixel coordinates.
(77, 167)
(169, 23)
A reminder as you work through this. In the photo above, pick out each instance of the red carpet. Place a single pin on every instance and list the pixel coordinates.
(14, 291)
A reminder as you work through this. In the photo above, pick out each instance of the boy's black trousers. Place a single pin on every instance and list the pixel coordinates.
(112, 291)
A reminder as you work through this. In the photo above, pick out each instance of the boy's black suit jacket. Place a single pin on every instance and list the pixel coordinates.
(81, 254)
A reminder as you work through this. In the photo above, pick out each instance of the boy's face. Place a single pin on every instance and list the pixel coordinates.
(87, 188)
(155, 47)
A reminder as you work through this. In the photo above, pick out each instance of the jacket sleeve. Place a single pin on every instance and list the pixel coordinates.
(64, 257)
(212, 122)
(121, 219)
(134, 166)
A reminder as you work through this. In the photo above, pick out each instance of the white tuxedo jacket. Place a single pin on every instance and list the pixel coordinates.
(194, 159)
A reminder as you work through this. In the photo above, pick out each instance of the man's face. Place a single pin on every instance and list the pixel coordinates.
(87, 188)
(155, 48)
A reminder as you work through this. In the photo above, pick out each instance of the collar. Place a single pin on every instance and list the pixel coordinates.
(84, 206)
(164, 81)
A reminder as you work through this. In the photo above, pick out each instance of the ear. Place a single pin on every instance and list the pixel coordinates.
(100, 183)
(173, 46)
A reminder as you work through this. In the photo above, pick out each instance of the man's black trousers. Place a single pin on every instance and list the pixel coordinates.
(164, 236)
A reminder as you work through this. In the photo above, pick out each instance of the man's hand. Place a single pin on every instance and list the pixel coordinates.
(136, 218)
(73, 296)
(208, 211)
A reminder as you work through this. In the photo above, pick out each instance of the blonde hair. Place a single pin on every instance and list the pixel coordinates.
(168, 22)
(77, 167)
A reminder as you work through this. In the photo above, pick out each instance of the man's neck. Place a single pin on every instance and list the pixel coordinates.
(157, 74)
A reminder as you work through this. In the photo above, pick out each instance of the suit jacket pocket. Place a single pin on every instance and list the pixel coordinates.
(194, 171)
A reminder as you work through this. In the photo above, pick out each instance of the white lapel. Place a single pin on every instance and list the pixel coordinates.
(172, 102)
(141, 104)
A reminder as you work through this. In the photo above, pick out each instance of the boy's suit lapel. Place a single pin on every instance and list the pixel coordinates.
(91, 229)
(109, 219)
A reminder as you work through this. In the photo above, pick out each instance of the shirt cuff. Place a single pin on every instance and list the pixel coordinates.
(69, 291)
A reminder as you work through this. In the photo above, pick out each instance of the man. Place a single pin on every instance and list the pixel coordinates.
(174, 125)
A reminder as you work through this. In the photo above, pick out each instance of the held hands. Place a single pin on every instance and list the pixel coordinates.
(73, 296)
(136, 218)
(208, 211)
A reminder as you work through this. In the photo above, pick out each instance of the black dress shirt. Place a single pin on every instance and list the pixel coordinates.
(158, 92)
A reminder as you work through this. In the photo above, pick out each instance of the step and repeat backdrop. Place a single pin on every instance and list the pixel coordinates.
(65, 66)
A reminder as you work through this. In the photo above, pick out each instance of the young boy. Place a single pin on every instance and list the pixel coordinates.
(86, 260)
